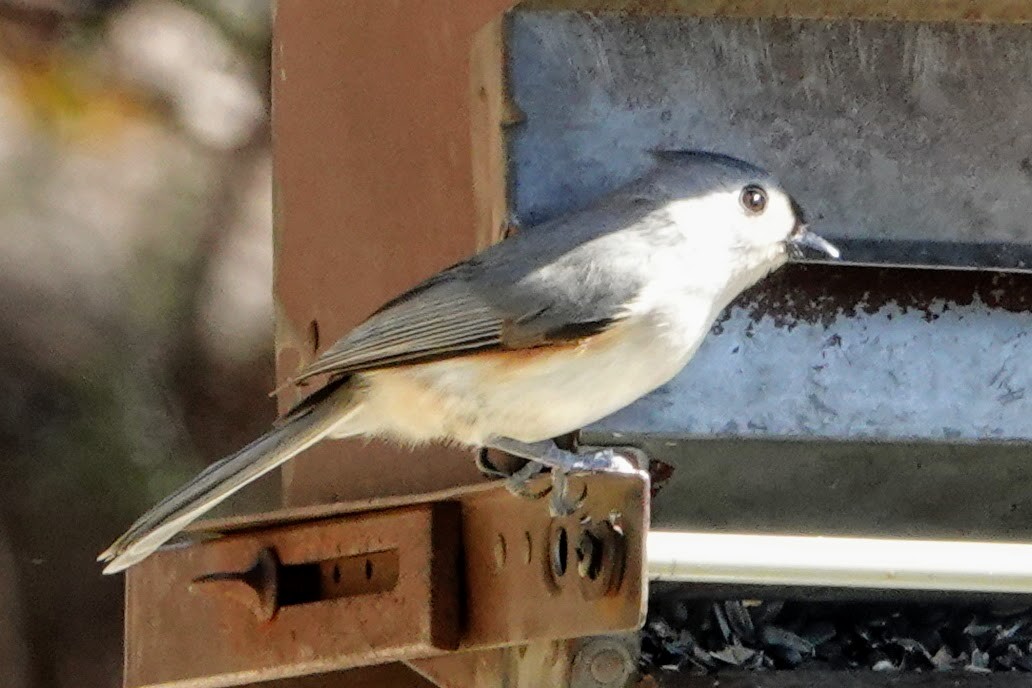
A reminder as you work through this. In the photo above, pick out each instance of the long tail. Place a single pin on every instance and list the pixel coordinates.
(313, 420)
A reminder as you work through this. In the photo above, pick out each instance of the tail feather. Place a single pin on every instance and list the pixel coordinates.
(303, 428)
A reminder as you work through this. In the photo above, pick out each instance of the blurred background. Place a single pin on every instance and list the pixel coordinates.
(135, 293)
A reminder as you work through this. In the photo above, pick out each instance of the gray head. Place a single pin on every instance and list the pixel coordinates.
(741, 206)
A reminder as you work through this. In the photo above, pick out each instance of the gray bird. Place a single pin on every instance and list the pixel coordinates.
(536, 336)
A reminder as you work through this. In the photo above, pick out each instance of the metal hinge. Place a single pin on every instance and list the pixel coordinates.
(286, 594)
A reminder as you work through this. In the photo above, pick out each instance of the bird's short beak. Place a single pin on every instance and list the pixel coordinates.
(801, 237)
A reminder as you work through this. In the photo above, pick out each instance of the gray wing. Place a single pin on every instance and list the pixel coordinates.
(440, 316)
(564, 280)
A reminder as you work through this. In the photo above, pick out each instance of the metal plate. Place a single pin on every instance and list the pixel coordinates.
(857, 353)
(498, 589)
(895, 10)
(922, 490)
(226, 644)
(521, 600)
(880, 129)
(886, 132)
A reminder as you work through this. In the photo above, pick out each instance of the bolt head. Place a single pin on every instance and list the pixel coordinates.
(609, 668)
(602, 663)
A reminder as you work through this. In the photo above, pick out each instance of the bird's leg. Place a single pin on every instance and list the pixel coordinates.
(487, 467)
(563, 462)
(561, 504)
(515, 481)
(547, 453)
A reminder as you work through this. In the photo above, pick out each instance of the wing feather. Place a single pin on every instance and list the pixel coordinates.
(563, 281)
(442, 319)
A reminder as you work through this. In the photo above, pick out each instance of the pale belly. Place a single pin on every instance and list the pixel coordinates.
(527, 395)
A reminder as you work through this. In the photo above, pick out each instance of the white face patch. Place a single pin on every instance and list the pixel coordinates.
(717, 224)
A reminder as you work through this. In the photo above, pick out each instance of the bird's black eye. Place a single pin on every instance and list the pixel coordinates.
(754, 199)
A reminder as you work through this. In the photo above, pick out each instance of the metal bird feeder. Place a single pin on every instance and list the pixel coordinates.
(880, 399)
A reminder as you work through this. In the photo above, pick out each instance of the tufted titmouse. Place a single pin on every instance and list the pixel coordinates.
(536, 336)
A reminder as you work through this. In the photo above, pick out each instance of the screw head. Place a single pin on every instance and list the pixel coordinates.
(602, 663)
(609, 668)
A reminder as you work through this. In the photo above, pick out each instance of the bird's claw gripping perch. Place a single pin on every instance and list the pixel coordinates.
(561, 503)
(518, 483)
(563, 463)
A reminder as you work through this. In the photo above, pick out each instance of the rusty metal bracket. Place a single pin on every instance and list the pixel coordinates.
(286, 594)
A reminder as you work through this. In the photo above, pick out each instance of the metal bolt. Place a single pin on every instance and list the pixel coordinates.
(608, 667)
(602, 663)
(256, 588)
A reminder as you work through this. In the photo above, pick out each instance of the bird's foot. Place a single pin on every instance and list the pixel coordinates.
(562, 503)
(517, 482)
(563, 463)
(547, 453)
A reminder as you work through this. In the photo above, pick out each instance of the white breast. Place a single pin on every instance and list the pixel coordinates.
(533, 394)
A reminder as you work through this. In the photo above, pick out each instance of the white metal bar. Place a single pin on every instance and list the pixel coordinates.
(840, 562)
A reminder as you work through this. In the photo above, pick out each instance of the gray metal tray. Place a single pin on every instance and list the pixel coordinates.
(910, 144)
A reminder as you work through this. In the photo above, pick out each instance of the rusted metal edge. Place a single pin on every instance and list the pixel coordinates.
(466, 569)
(821, 293)
(236, 523)
(976, 11)
(533, 665)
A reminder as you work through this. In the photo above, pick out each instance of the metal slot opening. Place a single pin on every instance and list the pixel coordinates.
(362, 574)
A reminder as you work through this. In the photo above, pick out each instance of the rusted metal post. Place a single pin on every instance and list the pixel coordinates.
(389, 166)
(375, 190)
